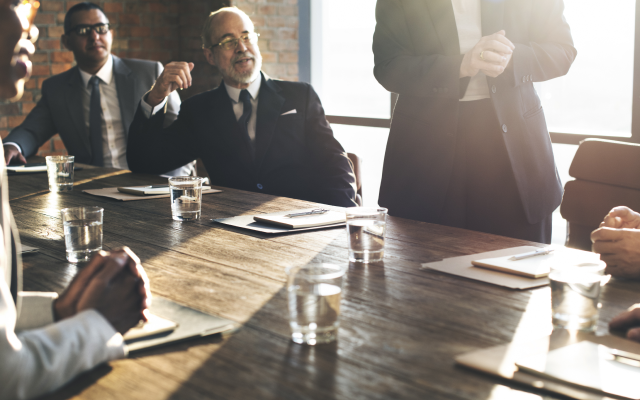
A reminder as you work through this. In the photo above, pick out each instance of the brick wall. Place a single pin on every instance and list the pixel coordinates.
(162, 30)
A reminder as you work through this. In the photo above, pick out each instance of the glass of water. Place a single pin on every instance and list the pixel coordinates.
(575, 295)
(82, 232)
(186, 197)
(314, 302)
(366, 229)
(60, 173)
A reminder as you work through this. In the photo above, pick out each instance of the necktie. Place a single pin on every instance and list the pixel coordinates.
(245, 98)
(95, 122)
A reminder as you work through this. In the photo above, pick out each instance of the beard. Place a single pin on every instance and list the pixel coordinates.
(246, 76)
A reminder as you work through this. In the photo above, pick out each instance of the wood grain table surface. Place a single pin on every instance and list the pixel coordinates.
(400, 326)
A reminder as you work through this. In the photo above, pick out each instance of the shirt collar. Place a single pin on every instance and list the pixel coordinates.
(105, 74)
(254, 89)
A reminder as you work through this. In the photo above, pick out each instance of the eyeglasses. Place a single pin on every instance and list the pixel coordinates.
(249, 38)
(85, 30)
(26, 10)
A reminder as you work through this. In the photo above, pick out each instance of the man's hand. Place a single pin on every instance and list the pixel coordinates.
(114, 284)
(620, 249)
(11, 153)
(621, 218)
(628, 321)
(490, 55)
(176, 75)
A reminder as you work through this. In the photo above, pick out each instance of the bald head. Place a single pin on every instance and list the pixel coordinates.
(215, 29)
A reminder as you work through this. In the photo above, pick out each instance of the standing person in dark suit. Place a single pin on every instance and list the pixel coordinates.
(92, 125)
(469, 145)
(252, 132)
(46, 339)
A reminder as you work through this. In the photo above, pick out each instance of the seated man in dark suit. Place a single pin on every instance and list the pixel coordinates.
(93, 124)
(252, 132)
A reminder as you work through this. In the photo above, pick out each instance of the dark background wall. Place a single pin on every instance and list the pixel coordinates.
(162, 30)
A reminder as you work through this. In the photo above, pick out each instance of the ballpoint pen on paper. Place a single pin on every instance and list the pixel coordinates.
(317, 211)
(541, 252)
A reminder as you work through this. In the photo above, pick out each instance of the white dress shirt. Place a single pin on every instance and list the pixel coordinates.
(114, 139)
(38, 355)
(238, 106)
(469, 25)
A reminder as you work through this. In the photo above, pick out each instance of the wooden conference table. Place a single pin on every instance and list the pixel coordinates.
(400, 326)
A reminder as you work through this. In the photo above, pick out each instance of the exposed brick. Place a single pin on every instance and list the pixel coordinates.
(27, 107)
(49, 44)
(4, 122)
(60, 68)
(130, 19)
(52, 6)
(288, 57)
(16, 120)
(55, 31)
(9, 109)
(31, 84)
(58, 144)
(26, 97)
(4, 133)
(39, 58)
(62, 57)
(140, 31)
(112, 7)
(44, 19)
(40, 70)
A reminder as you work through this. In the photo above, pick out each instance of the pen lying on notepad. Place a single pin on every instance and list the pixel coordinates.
(541, 252)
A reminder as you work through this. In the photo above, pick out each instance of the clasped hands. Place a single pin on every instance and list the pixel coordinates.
(114, 284)
(491, 55)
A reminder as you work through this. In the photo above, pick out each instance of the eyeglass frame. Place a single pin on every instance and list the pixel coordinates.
(93, 27)
(256, 35)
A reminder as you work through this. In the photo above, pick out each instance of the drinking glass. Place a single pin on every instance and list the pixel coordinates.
(366, 229)
(82, 232)
(314, 302)
(575, 295)
(60, 173)
(186, 197)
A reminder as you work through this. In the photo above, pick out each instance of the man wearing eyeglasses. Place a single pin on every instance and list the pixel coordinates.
(92, 105)
(252, 132)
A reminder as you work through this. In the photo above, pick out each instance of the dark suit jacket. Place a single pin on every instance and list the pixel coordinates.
(417, 55)
(60, 109)
(296, 154)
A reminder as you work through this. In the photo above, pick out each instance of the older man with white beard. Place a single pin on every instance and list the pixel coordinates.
(252, 132)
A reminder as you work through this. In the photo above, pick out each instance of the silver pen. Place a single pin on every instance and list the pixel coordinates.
(541, 252)
(312, 212)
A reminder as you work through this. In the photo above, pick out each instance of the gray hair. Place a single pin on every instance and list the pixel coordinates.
(206, 29)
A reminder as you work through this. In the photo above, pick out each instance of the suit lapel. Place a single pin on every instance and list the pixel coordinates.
(492, 16)
(223, 117)
(269, 107)
(125, 85)
(73, 97)
(444, 21)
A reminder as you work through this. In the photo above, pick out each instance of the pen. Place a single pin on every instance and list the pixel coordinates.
(625, 357)
(312, 212)
(541, 252)
(158, 187)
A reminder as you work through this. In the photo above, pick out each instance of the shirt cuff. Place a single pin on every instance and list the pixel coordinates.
(113, 340)
(14, 144)
(36, 310)
(151, 111)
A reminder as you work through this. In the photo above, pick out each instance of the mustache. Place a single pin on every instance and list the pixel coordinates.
(243, 55)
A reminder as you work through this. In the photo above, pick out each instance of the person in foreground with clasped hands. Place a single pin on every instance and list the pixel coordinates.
(617, 240)
(46, 339)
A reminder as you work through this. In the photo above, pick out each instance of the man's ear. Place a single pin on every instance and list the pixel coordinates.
(64, 39)
(208, 54)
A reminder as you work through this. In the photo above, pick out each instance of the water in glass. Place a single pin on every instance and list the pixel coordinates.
(366, 240)
(83, 238)
(574, 297)
(186, 202)
(314, 312)
(60, 174)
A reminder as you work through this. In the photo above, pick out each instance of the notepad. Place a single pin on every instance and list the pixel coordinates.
(586, 365)
(154, 326)
(28, 168)
(149, 190)
(538, 266)
(311, 221)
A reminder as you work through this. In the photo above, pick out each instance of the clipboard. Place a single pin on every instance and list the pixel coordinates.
(190, 324)
(249, 225)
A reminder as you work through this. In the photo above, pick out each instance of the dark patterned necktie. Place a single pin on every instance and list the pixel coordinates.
(245, 98)
(95, 122)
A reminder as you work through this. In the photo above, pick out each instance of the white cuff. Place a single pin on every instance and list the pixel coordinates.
(15, 145)
(148, 110)
(36, 310)
(113, 340)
